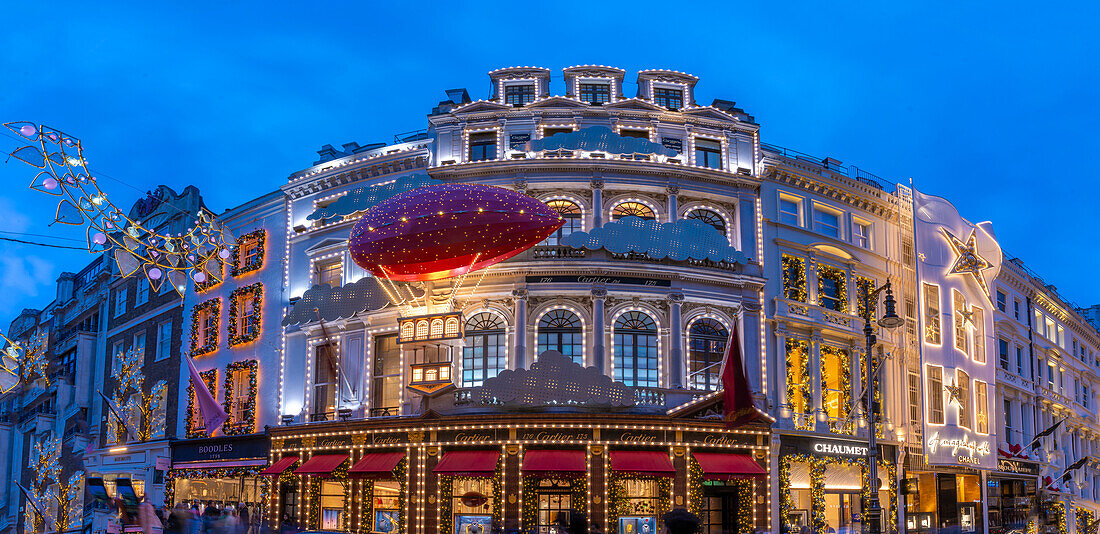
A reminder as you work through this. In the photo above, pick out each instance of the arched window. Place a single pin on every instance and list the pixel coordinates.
(636, 209)
(569, 211)
(636, 350)
(707, 339)
(710, 217)
(560, 330)
(483, 354)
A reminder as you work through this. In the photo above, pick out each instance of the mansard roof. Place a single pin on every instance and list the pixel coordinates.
(634, 103)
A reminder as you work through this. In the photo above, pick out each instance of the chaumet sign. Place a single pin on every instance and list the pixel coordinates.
(839, 449)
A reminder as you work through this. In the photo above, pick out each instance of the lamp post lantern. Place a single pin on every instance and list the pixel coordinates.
(890, 320)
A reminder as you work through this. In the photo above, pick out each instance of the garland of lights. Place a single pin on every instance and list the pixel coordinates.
(165, 258)
(845, 401)
(695, 487)
(1084, 519)
(171, 475)
(215, 270)
(252, 329)
(879, 427)
(864, 287)
(618, 500)
(211, 379)
(797, 348)
(400, 473)
(794, 278)
(578, 492)
(247, 424)
(818, 466)
(1058, 512)
(260, 237)
(825, 272)
(22, 363)
(446, 498)
(213, 306)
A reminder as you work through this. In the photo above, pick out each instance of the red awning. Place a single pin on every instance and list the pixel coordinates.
(723, 466)
(320, 465)
(654, 463)
(554, 461)
(278, 467)
(468, 463)
(376, 464)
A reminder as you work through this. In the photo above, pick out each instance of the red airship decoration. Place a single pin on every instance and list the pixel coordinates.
(447, 230)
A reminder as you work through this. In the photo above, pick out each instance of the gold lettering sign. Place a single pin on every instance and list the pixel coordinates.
(473, 436)
(637, 438)
(554, 435)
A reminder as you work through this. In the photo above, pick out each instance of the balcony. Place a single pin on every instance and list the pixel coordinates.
(553, 251)
(844, 322)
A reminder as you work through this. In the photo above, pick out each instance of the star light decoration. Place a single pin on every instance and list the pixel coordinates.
(955, 393)
(164, 258)
(967, 260)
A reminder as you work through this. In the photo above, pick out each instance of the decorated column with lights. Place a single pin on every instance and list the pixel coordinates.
(599, 294)
(676, 352)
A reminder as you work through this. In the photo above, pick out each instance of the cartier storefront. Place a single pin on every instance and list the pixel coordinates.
(518, 473)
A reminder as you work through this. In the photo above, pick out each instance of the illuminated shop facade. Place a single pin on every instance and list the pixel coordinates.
(413, 417)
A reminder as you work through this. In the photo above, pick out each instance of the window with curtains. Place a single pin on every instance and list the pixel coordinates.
(329, 272)
(799, 385)
(635, 356)
(981, 410)
(934, 376)
(710, 217)
(978, 330)
(325, 372)
(931, 314)
(571, 213)
(707, 340)
(836, 387)
(966, 417)
(560, 330)
(386, 375)
(961, 318)
(483, 355)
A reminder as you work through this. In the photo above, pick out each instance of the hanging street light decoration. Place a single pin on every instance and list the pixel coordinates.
(164, 258)
(23, 362)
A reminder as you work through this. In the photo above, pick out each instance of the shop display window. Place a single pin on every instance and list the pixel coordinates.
(554, 503)
(639, 507)
(220, 491)
(472, 505)
(332, 505)
(387, 505)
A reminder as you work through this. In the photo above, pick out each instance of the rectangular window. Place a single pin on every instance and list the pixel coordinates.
(799, 384)
(551, 132)
(962, 339)
(120, 302)
(139, 344)
(164, 340)
(1019, 360)
(708, 153)
(596, 93)
(978, 318)
(1008, 421)
(632, 132)
(935, 394)
(1085, 396)
(861, 234)
(117, 351)
(931, 314)
(241, 395)
(836, 370)
(981, 408)
(329, 272)
(519, 94)
(208, 327)
(1016, 309)
(827, 222)
(246, 310)
(962, 381)
(1002, 350)
(794, 278)
(1061, 337)
(1050, 375)
(832, 288)
(914, 400)
(790, 211)
(250, 252)
(672, 99)
(1001, 301)
(385, 392)
(483, 146)
(142, 295)
(325, 370)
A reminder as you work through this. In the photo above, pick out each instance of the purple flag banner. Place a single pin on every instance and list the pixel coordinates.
(212, 413)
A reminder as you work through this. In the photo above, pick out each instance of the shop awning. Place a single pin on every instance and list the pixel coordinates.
(654, 463)
(554, 461)
(279, 466)
(724, 466)
(376, 464)
(320, 465)
(468, 463)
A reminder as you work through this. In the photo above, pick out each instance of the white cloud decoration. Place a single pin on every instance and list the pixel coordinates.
(680, 240)
(363, 198)
(554, 380)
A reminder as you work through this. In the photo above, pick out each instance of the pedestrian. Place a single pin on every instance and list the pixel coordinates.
(680, 521)
(147, 518)
(245, 520)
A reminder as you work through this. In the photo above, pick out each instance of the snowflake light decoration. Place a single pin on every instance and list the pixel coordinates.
(164, 258)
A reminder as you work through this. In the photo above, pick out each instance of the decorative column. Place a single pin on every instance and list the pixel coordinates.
(673, 206)
(519, 296)
(599, 294)
(815, 376)
(597, 202)
(780, 387)
(811, 281)
(676, 336)
(750, 342)
(856, 358)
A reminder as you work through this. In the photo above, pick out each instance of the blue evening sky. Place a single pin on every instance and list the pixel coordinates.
(993, 105)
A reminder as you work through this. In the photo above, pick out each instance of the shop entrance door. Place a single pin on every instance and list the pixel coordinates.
(843, 512)
(720, 511)
(554, 503)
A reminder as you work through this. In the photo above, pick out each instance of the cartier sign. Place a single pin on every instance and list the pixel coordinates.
(555, 435)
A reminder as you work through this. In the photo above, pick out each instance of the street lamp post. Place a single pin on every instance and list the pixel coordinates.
(890, 320)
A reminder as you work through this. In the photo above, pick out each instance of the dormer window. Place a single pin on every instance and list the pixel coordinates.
(673, 99)
(596, 94)
(519, 95)
(483, 146)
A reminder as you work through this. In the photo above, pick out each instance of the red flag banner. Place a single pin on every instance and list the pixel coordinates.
(213, 415)
(738, 405)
